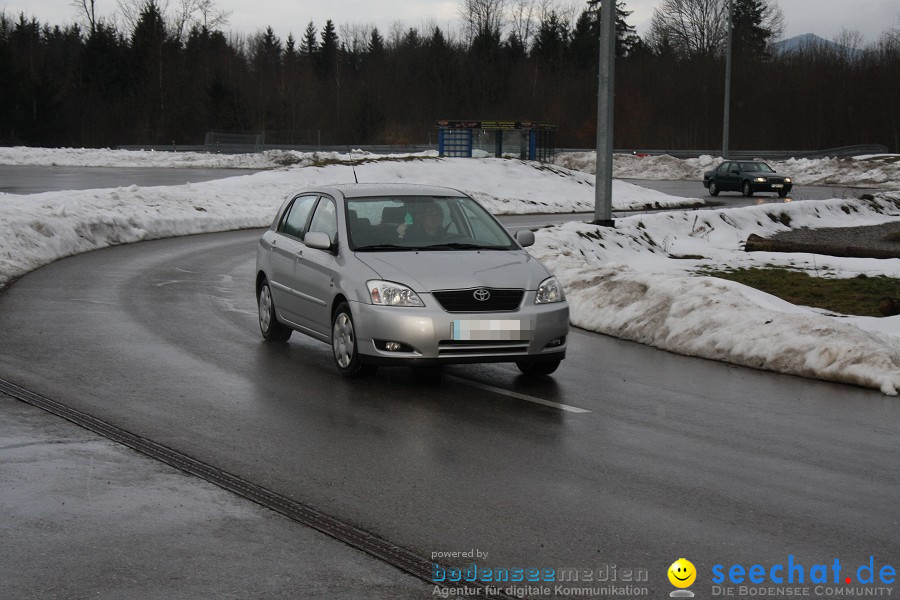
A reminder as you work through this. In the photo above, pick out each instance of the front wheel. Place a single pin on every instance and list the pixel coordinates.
(344, 346)
(782, 193)
(271, 328)
(713, 188)
(746, 190)
(544, 367)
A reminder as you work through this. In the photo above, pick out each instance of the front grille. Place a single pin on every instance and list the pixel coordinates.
(476, 348)
(776, 179)
(500, 300)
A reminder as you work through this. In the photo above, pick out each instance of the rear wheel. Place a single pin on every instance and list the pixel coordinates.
(746, 190)
(544, 367)
(344, 346)
(271, 328)
(713, 188)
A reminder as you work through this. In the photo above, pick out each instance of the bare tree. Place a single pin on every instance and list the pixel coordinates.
(87, 13)
(690, 27)
(186, 14)
(522, 13)
(197, 13)
(481, 17)
(355, 36)
(700, 27)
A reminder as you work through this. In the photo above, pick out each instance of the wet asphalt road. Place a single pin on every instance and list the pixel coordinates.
(677, 456)
(33, 180)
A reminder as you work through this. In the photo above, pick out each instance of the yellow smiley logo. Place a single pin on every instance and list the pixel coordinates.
(682, 573)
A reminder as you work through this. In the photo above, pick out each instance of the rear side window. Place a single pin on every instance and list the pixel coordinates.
(295, 218)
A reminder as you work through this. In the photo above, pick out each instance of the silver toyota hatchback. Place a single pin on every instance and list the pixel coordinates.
(407, 275)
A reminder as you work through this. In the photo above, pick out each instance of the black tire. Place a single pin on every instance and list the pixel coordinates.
(713, 188)
(343, 344)
(544, 367)
(746, 190)
(271, 328)
(782, 193)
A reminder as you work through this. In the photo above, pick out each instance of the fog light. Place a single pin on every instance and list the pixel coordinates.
(554, 343)
(392, 346)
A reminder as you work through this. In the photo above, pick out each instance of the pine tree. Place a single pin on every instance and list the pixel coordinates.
(376, 43)
(751, 37)
(328, 52)
(308, 45)
(585, 43)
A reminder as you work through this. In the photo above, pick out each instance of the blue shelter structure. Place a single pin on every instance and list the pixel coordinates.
(535, 141)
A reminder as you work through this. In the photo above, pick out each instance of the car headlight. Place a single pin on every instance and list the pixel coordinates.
(787, 180)
(760, 180)
(388, 293)
(549, 291)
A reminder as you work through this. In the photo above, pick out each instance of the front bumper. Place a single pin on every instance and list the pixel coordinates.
(773, 188)
(426, 334)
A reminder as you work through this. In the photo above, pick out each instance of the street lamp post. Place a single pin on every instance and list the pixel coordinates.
(727, 113)
(605, 101)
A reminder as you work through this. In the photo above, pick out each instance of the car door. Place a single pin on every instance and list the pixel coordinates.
(731, 179)
(318, 269)
(720, 176)
(286, 249)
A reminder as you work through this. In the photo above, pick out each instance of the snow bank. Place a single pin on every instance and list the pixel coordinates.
(654, 300)
(40, 228)
(877, 171)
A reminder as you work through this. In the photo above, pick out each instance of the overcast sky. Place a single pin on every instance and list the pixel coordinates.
(825, 18)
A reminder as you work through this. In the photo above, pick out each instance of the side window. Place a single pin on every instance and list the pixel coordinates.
(723, 168)
(295, 217)
(325, 219)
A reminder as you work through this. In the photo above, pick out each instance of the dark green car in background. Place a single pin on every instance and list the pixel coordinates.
(747, 177)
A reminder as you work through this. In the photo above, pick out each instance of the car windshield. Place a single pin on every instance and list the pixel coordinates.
(756, 166)
(404, 223)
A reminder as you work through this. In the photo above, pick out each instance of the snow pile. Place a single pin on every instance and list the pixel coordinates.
(40, 228)
(91, 157)
(871, 171)
(653, 300)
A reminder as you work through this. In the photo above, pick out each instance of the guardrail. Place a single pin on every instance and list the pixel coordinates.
(250, 148)
(844, 151)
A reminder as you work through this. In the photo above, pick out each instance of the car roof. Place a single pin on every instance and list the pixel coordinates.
(359, 190)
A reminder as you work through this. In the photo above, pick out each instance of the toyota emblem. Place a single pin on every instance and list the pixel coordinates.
(482, 295)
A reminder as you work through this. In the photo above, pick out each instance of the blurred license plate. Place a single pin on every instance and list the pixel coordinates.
(777, 185)
(491, 329)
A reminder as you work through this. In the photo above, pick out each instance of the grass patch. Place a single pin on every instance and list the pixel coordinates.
(856, 296)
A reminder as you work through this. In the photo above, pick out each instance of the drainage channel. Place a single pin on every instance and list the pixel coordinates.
(394, 555)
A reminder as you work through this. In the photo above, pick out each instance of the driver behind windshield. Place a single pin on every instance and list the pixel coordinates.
(427, 226)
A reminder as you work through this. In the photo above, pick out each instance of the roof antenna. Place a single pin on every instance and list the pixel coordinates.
(352, 165)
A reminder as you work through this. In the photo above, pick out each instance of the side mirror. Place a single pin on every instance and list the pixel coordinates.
(318, 240)
(525, 237)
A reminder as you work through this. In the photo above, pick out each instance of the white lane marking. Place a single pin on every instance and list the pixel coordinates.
(512, 394)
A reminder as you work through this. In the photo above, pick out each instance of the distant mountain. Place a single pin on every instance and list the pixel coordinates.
(809, 41)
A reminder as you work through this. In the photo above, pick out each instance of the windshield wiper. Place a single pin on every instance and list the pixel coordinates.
(460, 246)
(383, 248)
